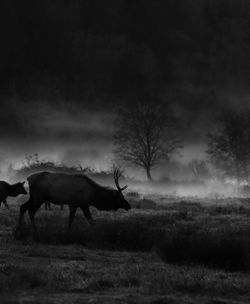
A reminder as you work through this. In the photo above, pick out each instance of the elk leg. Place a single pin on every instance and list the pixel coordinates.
(5, 204)
(23, 209)
(87, 215)
(32, 212)
(72, 214)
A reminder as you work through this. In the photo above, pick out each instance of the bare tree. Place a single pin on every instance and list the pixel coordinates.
(229, 145)
(146, 134)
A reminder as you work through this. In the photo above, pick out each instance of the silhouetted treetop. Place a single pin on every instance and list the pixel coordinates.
(229, 145)
(146, 134)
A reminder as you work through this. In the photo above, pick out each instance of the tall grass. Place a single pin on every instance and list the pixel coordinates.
(111, 234)
(208, 241)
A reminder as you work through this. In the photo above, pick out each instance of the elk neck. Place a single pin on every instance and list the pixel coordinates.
(102, 195)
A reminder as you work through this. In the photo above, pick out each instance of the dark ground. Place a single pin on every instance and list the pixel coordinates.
(85, 266)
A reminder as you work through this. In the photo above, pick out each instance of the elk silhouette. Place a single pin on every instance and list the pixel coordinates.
(78, 191)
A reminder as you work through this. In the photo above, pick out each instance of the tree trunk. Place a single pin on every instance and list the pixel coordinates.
(149, 177)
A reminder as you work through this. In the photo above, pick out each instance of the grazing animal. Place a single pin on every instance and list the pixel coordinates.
(78, 191)
(10, 190)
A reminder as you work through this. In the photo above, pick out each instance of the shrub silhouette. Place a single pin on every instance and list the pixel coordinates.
(218, 249)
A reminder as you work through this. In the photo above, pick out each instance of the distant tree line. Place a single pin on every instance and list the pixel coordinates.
(147, 135)
(229, 144)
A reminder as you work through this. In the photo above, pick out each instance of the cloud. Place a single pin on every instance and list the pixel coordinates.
(56, 131)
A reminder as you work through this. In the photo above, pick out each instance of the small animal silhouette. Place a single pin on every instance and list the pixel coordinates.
(10, 190)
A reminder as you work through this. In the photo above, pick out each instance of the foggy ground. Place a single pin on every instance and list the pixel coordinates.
(114, 262)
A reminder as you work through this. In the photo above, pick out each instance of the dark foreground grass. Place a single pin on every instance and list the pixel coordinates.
(51, 277)
(213, 242)
(141, 275)
(112, 234)
(226, 250)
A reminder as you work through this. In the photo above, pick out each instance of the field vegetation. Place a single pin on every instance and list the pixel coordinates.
(165, 250)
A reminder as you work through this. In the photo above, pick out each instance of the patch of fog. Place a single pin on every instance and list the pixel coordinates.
(209, 189)
(212, 188)
(4, 176)
(9, 177)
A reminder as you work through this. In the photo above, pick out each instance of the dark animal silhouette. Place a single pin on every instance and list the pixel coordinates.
(10, 190)
(78, 191)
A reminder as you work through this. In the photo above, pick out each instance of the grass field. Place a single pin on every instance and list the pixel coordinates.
(165, 250)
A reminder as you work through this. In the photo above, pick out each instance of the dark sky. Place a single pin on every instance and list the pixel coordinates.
(65, 66)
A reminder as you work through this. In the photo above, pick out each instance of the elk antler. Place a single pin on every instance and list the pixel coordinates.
(117, 175)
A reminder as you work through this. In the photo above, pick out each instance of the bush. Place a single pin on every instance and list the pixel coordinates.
(216, 249)
(34, 164)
